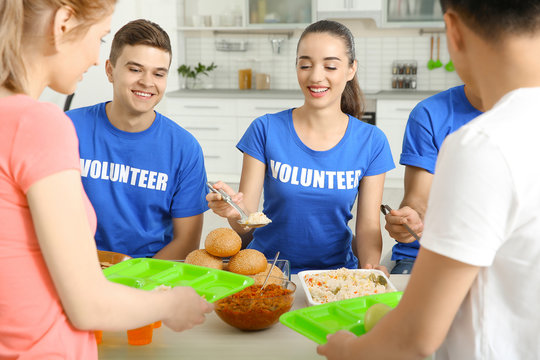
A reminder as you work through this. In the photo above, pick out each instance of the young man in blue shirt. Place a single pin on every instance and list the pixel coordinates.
(143, 173)
(430, 122)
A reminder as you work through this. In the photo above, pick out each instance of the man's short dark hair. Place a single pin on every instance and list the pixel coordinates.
(139, 32)
(493, 18)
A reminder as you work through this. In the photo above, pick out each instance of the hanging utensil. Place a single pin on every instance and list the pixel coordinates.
(269, 272)
(225, 197)
(431, 62)
(276, 45)
(449, 66)
(438, 63)
(385, 209)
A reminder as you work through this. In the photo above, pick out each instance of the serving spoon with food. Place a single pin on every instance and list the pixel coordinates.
(244, 219)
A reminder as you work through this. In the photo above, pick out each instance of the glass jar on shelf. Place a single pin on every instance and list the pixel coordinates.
(404, 74)
(400, 81)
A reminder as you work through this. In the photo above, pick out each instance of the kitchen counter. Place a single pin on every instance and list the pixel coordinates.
(216, 340)
(237, 94)
(403, 94)
(291, 94)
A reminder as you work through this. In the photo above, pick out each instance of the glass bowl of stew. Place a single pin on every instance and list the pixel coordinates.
(252, 309)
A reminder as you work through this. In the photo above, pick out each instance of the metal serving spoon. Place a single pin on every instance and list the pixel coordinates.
(243, 217)
(269, 272)
(377, 279)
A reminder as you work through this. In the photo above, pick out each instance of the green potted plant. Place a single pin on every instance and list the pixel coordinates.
(190, 74)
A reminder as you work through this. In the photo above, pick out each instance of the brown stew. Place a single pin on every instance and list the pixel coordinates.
(252, 309)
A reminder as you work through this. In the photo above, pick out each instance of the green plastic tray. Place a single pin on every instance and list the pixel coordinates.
(146, 274)
(319, 321)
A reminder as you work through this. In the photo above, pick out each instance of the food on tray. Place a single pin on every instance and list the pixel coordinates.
(105, 264)
(343, 284)
(375, 313)
(248, 262)
(258, 218)
(253, 309)
(110, 258)
(223, 242)
(162, 288)
(202, 258)
(276, 276)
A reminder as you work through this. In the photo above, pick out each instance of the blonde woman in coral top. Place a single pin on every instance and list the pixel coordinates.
(52, 290)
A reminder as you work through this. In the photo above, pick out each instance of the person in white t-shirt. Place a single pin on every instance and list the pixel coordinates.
(475, 284)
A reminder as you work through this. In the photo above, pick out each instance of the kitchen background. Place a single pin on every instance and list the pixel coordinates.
(375, 54)
(217, 113)
(196, 28)
(378, 41)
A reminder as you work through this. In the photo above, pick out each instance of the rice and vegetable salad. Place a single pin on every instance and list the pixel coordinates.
(342, 284)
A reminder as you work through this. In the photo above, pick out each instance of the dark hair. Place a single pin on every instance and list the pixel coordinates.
(493, 18)
(352, 100)
(139, 32)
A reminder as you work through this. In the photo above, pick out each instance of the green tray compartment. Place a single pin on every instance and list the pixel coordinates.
(316, 322)
(306, 326)
(147, 274)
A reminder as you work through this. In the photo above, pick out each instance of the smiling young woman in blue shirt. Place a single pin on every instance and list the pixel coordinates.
(313, 162)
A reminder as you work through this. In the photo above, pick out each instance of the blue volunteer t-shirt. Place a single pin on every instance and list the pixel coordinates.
(430, 122)
(309, 194)
(138, 182)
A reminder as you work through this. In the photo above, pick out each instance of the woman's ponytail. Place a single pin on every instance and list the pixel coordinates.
(352, 99)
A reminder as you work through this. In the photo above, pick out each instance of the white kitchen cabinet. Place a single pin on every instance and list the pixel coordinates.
(245, 14)
(392, 118)
(218, 124)
(213, 123)
(249, 110)
(346, 9)
(348, 5)
(272, 13)
(202, 106)
(222, 160)
(412, 13)
(209, 127)
(211, 14)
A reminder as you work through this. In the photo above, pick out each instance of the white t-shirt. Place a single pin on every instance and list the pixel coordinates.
(484, 210)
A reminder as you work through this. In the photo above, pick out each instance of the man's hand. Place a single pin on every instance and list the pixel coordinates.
(395, 220)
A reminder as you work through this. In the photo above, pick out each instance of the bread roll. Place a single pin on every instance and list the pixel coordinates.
(202, 258)
(223, 242)
(248, 262)
(276, 276)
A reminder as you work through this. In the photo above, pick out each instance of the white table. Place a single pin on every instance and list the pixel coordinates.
(216, 340)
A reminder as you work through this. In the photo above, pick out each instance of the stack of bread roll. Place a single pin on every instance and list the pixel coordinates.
(223, 243)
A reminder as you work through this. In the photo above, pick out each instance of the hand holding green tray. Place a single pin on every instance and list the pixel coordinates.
(319, 321)
(147, 274)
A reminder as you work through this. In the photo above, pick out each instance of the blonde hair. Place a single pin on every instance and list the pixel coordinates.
(20, 19)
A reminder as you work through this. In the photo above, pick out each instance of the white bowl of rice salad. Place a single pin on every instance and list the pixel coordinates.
(323, 286)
